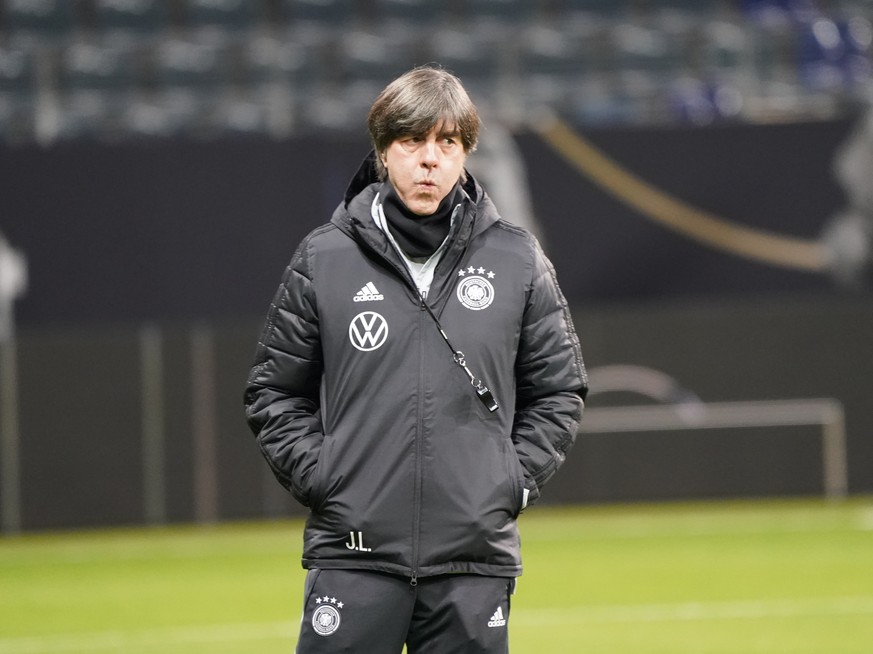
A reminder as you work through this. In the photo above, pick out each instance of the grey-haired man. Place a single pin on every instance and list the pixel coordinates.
(417, 382)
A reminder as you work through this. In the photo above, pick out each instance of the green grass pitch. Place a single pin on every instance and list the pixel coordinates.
(738, 577)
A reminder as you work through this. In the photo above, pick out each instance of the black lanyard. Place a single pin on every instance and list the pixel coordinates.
(485, 396)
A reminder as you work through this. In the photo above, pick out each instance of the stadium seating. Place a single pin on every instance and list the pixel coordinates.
(197, 60)
(364, 53)
(141, 16)
(420, 12)
(241, 63)
(17, 68)
(334, 13)
(40, 19)
(232, 14)
(17, 118)
(102, 62)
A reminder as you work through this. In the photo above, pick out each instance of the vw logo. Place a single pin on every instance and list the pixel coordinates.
(368, 331)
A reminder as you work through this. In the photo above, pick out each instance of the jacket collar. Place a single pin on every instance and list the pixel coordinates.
(353, 217)
(355, 207)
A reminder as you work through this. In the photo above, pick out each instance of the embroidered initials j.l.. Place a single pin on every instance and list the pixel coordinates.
(359, 544)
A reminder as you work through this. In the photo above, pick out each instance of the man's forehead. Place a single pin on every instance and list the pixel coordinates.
(445, 128)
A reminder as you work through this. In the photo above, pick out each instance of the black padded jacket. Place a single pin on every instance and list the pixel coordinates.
(363, 414)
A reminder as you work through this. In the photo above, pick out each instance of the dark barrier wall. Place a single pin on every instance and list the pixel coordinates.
(737, 351)
(193, 230)
(164, 230)
(774, 178)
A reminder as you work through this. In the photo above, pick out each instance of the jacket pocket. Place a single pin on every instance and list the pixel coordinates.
(320, 486)
(516, 478)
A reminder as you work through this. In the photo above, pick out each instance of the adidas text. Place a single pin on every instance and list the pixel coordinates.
(368, 294)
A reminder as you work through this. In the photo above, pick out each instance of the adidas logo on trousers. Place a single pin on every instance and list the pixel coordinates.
(497, 620)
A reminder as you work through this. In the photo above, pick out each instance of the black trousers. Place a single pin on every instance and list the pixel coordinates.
(374, 613)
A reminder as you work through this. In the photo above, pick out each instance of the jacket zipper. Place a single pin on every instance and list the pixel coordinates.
(416, 512)
(416, 507)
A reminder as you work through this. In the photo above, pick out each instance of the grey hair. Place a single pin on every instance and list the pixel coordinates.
(417, 101)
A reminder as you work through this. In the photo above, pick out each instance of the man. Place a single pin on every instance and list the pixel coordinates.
(417, 382)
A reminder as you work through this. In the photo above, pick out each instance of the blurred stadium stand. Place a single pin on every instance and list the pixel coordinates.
(122, 69)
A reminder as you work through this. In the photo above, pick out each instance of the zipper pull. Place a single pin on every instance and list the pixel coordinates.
(414, 580)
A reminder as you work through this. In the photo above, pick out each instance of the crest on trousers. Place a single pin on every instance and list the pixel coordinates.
(326, 618)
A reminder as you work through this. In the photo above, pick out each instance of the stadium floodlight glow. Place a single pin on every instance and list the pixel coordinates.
(13, 284)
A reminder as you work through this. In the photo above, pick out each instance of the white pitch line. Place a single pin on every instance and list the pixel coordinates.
(703, 526)
(746, 609)
(122, 641)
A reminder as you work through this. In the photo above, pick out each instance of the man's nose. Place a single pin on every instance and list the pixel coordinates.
(429, 154)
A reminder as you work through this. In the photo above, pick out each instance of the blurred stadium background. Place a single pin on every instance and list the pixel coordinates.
(699, 171)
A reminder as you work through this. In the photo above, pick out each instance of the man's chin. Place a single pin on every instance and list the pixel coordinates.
(424, 206)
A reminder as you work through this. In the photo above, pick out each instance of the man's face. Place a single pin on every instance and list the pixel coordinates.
(423, 168)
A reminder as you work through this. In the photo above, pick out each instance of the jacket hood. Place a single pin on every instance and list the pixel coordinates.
(364, 185)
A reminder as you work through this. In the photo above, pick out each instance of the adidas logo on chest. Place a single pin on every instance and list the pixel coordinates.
(368, 293)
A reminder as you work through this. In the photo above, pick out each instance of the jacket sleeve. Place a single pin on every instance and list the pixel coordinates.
(551, 382)
(282, 392)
